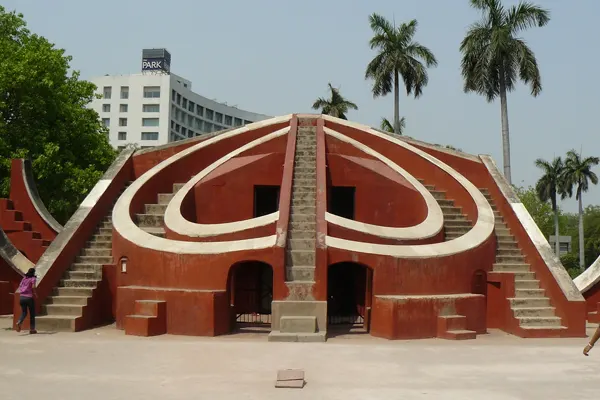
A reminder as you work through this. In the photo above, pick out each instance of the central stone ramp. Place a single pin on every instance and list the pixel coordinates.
(300, 318)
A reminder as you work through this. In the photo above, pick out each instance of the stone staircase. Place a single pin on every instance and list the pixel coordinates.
(153, 219)
(21, 232)
(530, 306)
(64, 310)
(456, 223)
(297, 320)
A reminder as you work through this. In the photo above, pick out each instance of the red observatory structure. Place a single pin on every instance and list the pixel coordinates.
(305, 225)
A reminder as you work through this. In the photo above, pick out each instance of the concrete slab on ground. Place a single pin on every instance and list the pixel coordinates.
(105, 364)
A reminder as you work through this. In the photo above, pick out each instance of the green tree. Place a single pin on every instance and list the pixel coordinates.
(495, 57)
(336, 106)
(549, 186)
(578, 173)
(399, 56)
(43, 116)
(540, 211)
(387, 126)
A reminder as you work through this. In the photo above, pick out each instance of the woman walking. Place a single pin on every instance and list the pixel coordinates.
(27, 294)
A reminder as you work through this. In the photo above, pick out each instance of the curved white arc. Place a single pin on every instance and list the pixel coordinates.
(124, 225)
(588, 278)
(431, 226)
(175, 221)
(484, 226)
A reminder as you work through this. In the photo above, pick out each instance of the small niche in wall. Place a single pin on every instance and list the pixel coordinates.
(123, 264)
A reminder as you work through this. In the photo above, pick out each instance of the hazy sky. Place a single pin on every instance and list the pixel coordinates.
(276, 57)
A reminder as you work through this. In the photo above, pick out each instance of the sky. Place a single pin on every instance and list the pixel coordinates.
(276, 57)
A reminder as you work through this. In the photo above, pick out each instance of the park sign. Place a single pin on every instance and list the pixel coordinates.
(156, 60)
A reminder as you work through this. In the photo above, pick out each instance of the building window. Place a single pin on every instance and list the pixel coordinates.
(209, 114)
(173, 95)
(149, 121)
(172, 124)
(200, 110)
(184, 103)
(219, 118)
(149, 135)
(106, 122)
(208, 127)
(124, 108)
(107, 92)
(178, 99)
(151, 108)
(238, 122)
(247, 122)
(124, 92)
(190, 133)
(190, 120)
(183, 131)
(192, 106)
(151, 92)
(122, 121)
(105, 107)
(177, 127)
(177, 114)
(228, 120)
(122, 135)
(198, 124)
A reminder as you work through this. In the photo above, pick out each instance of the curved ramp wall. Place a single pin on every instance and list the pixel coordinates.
(588, 284)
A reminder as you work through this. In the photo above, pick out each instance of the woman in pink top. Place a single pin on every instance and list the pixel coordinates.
(27, 295)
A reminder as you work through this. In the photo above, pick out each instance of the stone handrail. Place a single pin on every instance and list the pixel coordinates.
(12, 256)
(588, 278)
(35, 198)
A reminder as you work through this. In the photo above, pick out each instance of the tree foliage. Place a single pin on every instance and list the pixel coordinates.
(399, 56)
(43, 116)
(540, 211)
(336, 106)
(387, 126)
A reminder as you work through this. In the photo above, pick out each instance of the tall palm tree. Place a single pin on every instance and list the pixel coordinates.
(495, 56)
(549, 186)
(578, 173)
(336, 106)
(387, 126)
(399, 56)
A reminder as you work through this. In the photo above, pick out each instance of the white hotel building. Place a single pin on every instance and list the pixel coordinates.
(156, 107)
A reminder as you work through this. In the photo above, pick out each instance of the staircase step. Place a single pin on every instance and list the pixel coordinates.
(456, 223)
(295, 217)
(82, 283)
(75, 300)
(530, 302)
(540, 321)
(86, 267)
(63, 309)
(457, 229)
(507, 244)
(304, 189)
(93, 251)
(160, 232)
(511, 267)
(302, 226)
(512, 259)
(94, 260)
(301, 274)
(155, 209)
(534, 312)
(451, 210)
(527, 284)
(177, 187)
(73, 291)
(102, 238)
(83, 275)
(150, 220)
(57, 323)
(300, 258)
(304, 198)
(104, 231)
(529, 293)
(304, 210)
(459, 335)
(455, 217)
(308, 234)
(301, 244)
(508, 252)
(98, 244)
(165, 198)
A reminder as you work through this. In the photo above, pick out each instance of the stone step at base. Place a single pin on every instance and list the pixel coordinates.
(73, 291)
(73, 300)
(56, 323)
(459, 335)
(534, 312)
(165, 198)
(296, 273)
(510, 267)
(277, 336)
(63, 309)
(527, 284)
(529, 302)
(156, 209)
(539, 321)
(160, 232)
(529, 293)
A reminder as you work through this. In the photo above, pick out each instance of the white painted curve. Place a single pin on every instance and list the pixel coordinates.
(126, 227)
(431, 226)
(175, 221)
(481, 231)
(588, 278)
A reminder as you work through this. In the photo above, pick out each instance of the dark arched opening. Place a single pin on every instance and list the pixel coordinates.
(479, 282)
(349, 294)
(251, 293)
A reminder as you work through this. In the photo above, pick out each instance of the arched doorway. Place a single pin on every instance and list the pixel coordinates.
(349, 294)
(251, 294)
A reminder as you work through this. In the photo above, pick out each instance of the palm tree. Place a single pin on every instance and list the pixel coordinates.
(495, 57)
(549, 186)
(398, 57)
(578, 172)
(387, 126)
(337, 106)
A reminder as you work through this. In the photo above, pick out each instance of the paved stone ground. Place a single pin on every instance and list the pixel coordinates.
(105, 364)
